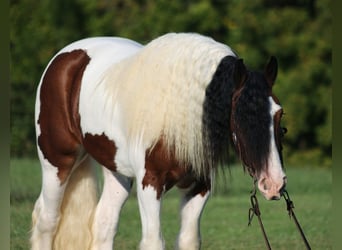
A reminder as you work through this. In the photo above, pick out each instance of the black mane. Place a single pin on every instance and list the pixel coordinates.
(248, 118)
(216, 112)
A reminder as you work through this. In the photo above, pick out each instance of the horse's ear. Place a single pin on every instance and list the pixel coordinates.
(271, 71)
(240, 73)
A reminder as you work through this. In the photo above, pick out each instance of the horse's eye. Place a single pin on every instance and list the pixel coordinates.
(283, 131)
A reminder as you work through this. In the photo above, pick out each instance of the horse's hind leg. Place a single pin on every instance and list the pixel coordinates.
(46, 210)
(116, 189)
(192, 206)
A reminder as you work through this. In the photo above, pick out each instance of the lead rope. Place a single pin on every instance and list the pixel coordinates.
(290, 207)
(254, 210)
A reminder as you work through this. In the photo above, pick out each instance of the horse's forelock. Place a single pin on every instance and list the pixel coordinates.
(251, 122)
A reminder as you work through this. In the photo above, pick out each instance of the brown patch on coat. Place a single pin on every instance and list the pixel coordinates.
(275, 98)
(59, 119)
(163, 171)
(278, 131)
(101, 148)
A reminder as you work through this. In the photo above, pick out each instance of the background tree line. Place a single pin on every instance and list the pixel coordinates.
(297, 32)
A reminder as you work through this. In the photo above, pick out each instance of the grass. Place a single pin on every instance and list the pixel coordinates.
(224, 221)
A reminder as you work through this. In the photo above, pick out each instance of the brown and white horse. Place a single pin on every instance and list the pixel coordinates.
(164, 114)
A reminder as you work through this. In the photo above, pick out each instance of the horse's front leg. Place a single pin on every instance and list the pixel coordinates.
(192, 205)
(149, 206)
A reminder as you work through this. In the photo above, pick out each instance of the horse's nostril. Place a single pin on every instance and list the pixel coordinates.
(262, 184)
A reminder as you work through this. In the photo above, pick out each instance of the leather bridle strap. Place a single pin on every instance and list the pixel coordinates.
(254, 210)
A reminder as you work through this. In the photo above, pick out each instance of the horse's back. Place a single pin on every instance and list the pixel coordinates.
(103, 52)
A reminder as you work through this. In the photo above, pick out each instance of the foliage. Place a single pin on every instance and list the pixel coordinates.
(298, 33)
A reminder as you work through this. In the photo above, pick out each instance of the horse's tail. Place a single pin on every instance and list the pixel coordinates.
(78, 206)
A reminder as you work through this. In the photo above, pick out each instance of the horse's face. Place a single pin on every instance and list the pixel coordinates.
(256, 130)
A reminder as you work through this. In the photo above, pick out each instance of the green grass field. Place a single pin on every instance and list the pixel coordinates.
(224, 221)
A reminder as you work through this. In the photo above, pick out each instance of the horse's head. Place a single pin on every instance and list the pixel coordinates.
(255, 126)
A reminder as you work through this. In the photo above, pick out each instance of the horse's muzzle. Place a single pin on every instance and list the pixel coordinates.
(272, 189)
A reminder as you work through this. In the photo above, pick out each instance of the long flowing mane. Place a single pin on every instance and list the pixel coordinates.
(168, 86)
(217, 111)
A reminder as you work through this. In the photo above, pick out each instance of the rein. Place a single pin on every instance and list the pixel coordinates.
(254, 210)
(290, 207)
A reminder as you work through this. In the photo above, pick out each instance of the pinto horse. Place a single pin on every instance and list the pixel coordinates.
(164, 114)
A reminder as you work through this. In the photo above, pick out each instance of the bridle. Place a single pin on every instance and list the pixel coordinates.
(255, 210)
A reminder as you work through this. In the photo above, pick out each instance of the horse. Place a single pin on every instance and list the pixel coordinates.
(164, 114)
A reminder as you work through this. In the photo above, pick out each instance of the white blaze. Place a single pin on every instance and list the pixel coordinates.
(273, 180)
